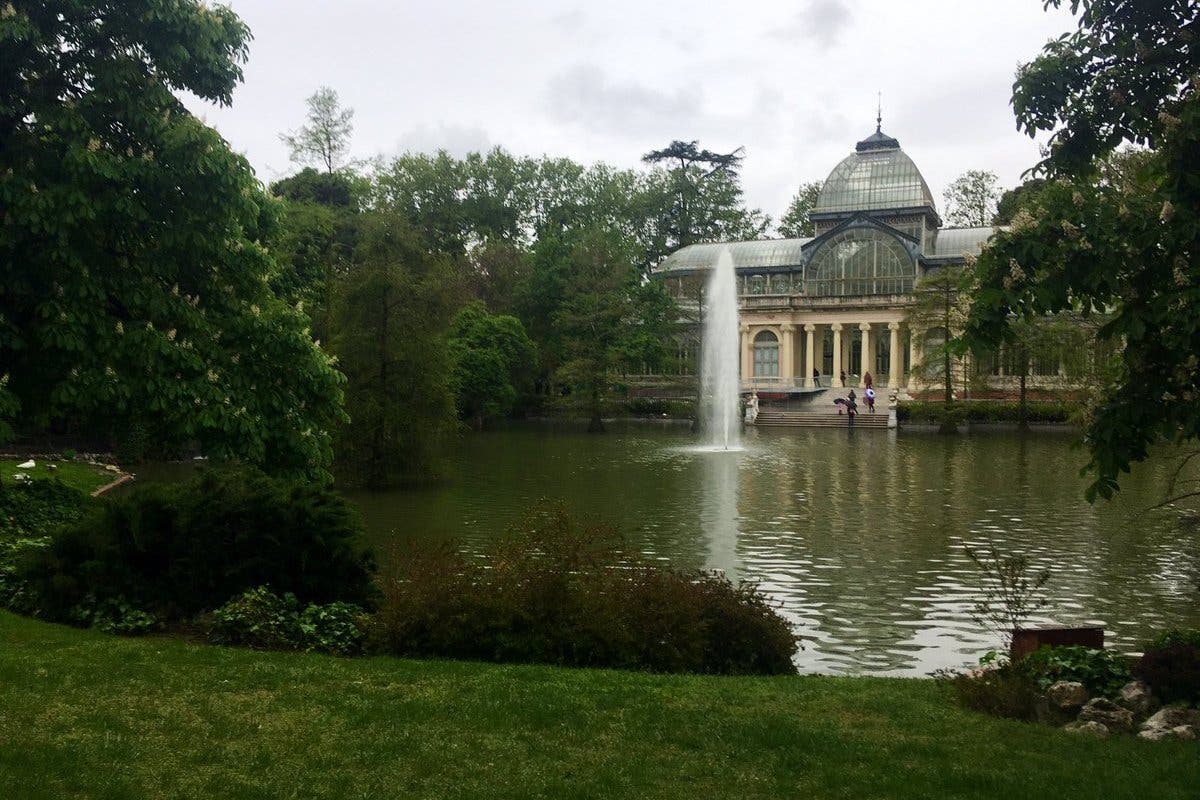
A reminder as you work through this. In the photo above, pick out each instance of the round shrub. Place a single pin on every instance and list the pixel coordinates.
(262, 619)
(1170, 666)
(176, 550)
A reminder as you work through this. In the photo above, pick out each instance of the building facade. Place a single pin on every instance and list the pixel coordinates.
(839, 302)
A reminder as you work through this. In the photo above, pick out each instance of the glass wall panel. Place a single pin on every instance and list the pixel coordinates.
(861, 262)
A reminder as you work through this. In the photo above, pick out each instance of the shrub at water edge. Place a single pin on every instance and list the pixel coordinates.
(554, 592)
(181, 549)
(1170, 666)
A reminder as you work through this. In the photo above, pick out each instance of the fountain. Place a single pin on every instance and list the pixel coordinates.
(719, 380)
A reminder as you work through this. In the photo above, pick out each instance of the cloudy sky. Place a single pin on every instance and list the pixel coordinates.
(793, 82)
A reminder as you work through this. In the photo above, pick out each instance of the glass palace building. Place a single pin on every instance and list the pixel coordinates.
(838, 302)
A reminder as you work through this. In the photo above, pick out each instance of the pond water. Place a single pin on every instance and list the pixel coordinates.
(861, 536)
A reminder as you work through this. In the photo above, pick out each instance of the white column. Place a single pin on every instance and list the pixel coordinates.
(809, 363)
(895, 359)
(868, 359)
(787, 355)
(914, 359)
(836, 377)
(747, 355)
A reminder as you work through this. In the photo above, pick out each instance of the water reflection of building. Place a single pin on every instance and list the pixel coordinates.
(839, 302)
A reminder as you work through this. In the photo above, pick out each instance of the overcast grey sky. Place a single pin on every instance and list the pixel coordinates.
(793, 82)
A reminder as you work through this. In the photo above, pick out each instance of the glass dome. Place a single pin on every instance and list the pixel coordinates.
(878, 175)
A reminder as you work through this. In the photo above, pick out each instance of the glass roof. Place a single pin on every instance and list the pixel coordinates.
(961, 241)
(880, 176)
(764, 253)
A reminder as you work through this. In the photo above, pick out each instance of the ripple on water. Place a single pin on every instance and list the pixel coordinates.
(862, 541)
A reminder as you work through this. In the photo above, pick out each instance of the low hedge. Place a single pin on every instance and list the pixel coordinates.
(984, 411)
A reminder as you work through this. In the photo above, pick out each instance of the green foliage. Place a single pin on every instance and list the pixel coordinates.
(1013, 200)
(325, 140)
(262, 619)
(494, 361)
(999, 689)
(556, 593)
(1170, 666)
(591, 319)
(1119, 242)
(1102, 672)
(133, 252)
(971, 199)
(15, 592)
(794, 223)
(391, 313)
(986, 411)
(112, 615)
(176, 550)
(937, 315)
(38, 507)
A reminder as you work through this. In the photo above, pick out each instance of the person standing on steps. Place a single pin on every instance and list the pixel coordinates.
(843, 376)
(868, 381)
(869, 394)
(817, 378)
(851, 409)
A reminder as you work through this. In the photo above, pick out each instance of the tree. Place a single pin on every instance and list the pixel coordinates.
(701, 197)
(1015, 199)
(390, 319)
(937, 314)
(1127, 247)
(325, 140)
(595, 305)
(971, 199)
(494, 361)
(795, 224)
(134, 269)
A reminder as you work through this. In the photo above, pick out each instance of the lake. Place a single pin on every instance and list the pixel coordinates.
(860, 536)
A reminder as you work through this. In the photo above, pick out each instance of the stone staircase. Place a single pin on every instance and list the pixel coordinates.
(822, 419)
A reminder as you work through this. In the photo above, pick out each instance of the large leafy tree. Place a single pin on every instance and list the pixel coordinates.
(794, 223)
(390, 316)
(494, 361)
(134, 296)
(971, 199)
(1126, 247)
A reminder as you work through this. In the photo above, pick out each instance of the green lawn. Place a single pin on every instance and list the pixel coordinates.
(84, 477)
(86, 715)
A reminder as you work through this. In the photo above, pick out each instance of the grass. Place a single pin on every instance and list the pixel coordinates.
(76, 474)
(90, 716)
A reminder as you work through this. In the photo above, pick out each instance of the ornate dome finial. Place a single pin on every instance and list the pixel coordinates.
(879, 114)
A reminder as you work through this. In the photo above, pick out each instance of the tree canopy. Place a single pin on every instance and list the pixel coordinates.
(971, 199)
(1122, 245)
(134, 268)
(794, 223)
(325, 140)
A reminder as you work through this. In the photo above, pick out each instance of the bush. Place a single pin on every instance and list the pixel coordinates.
(112, 616)
(177, 550)
(1000, 689)
(1170, 666)
(555, 593)
(261, 619)
(986, 411)
(1102, 672)
(15, 592)
(38, 507)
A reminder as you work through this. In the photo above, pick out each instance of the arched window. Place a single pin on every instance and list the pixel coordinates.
(861, 262)
(766, 355)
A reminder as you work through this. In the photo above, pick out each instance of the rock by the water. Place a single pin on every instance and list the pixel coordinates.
(1172, 722)
(1067, 695)
(1108, 714)
(1090, 727)
(1136, 696)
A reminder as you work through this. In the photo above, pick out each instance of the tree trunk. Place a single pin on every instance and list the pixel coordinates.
(596, 425)
(1022, 407)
